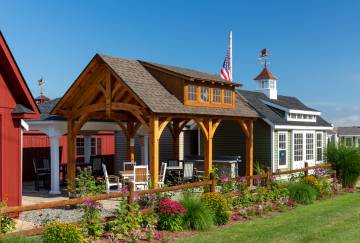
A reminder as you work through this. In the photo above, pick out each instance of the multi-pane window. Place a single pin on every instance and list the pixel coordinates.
(205, 94)
(298, 146)
(191, 92)
(79, 146)
(227, 96)
(216, 95)
(93, 146)
(309, 146)
(282, 148)
(319, 146)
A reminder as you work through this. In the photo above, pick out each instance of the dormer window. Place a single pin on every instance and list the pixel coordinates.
(192, 92)
(301, 117)
(227, 96)
(216, 95)
(205, 94)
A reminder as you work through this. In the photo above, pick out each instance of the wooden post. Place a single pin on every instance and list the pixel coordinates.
(306, 172)
(250, 152)
(131, 193)
(213, 182)
(71, 166)
(154, 150)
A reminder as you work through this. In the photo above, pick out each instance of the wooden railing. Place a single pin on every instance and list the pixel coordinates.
(131, 194)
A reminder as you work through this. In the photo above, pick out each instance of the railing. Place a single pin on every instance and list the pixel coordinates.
(211, 183)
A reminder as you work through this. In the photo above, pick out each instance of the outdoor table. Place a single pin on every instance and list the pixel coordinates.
(126, 174)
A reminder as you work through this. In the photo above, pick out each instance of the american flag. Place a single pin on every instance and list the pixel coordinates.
(225, 72)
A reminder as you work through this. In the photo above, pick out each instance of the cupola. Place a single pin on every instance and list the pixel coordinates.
(266, 81)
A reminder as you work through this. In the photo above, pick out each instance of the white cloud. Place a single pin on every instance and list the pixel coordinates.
(351, 120)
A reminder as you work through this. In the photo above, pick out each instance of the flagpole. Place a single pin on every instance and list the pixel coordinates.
(230, 55)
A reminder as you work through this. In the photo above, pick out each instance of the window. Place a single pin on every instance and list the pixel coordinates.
(93, 146)
(205, 94)
(282, 147)
(99, 146)
(319, 146)
(79, 146)
(216, 95)
(264, 84)
(301, 117)
(272, 84)
(349, 141)
(192, 92)
(298, 146)
(309, 146)
(227, 96)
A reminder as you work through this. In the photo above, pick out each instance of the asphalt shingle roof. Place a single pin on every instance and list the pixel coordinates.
(159, 99)
(348, 131)
(21, 109)
(256, 100)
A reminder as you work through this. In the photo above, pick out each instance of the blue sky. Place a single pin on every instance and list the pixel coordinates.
(314, 45)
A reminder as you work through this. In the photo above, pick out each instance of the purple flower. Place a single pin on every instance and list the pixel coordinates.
(242, 179)
(151, 197)
(257, 181)
(224, 179)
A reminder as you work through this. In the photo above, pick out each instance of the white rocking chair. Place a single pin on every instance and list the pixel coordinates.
(162, 175)
(111, 180)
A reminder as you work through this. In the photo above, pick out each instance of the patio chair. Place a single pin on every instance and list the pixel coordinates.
(42, 173)
(140, 177)
(162, 175)
(96, 164)
(111, 180)
(188, 171)
(129, 165)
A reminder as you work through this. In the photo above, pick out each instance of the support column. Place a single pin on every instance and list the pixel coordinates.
(54, 159)
(71, 166)
(208, 149)
(87, 148)
(130, 144)
(145, 150)
(154, 150)
(249, 151)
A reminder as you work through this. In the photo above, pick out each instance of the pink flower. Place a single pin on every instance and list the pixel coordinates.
(157, 235)
(290, 202)
(224, 179)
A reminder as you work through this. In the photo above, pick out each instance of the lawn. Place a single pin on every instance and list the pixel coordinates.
(333, 220)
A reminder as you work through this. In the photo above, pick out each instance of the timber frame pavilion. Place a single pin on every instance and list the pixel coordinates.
(136, 93)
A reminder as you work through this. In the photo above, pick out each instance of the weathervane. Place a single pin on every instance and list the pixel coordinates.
(41, 82)
(264, 58)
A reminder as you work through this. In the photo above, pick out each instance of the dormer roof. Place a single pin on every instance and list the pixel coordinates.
(265, 75)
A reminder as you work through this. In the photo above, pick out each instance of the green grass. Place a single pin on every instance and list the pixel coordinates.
(333, 220)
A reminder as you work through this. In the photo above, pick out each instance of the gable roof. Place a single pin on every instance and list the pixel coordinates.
(154, 95)
(266, 74)
(16, 82)
(191, 74)
(256, 100)
(348, 131)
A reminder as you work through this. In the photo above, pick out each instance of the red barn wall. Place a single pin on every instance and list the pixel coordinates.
(37, 145)
(10, 149)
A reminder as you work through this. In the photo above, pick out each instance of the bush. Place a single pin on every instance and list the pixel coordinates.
(302, 193)
(91, 219)
(346, 161)
(218, 204)
(57, 232)
(197, 216)
(7, 224)
(170, 215)
(86, 184)
(312, 181)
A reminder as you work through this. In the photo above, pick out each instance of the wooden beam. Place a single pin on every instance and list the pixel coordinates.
(203, 128)
(154, 150)
(80, 123)
(250, 151)
(71, 160)
(244, 127)
(108, 95)
(215, 125)
(102, 89)
(116, 89)
(163, 125)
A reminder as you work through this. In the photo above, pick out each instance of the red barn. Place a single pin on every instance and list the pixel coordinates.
(16, 104)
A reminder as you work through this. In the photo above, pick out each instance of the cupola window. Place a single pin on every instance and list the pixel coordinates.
(216, 95)
(192, 92)
(205, 94)
(227, 96)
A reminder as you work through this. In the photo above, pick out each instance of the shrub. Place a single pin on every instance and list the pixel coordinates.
(302, 193)
(90, 220)
(170, 215)
(86, 184)
(7, 224)
(127, 223)
(197, 216)
(57, 232)
(312, 181)
(218, 204)
(346, 162)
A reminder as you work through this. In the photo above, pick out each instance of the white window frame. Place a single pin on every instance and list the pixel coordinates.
(303, 146)
(286, 149)
(321, 146)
